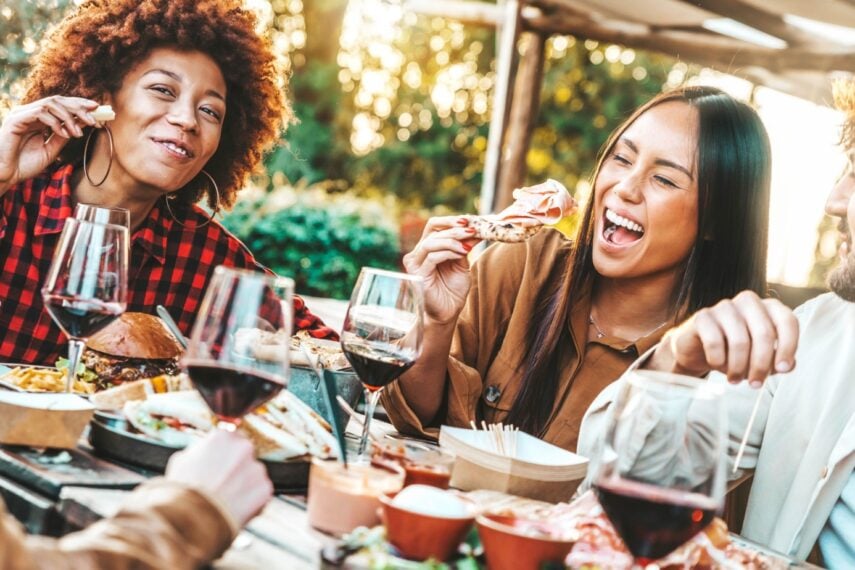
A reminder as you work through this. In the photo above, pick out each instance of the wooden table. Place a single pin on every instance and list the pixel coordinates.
(280, 537)
(67, 496)
(56, 498)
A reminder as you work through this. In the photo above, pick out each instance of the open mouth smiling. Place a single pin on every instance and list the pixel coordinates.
(175, 148)
(619, 230)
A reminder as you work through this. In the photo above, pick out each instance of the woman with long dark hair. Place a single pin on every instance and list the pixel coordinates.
(533, 332)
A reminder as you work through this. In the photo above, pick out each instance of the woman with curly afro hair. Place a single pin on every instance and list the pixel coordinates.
(197, 101)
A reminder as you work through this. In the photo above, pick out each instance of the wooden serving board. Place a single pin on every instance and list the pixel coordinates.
(48, 471)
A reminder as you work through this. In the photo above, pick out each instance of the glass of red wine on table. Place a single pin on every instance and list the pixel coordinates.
(238, 353)
(87, 284)
(660, 497)
(382, 334)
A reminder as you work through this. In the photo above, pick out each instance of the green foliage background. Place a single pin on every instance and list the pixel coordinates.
(430, 164)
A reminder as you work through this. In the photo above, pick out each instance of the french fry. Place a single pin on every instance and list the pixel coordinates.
(43, 380)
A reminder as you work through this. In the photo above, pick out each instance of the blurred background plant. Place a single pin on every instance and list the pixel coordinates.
(317, 237)
(390, 103)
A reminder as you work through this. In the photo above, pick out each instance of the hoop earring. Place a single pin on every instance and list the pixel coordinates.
(173, 196)
(86, 152)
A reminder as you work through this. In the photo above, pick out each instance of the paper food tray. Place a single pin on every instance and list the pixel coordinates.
(534, 457)
(42, 419)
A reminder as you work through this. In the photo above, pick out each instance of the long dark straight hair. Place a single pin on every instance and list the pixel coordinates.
(728, 256)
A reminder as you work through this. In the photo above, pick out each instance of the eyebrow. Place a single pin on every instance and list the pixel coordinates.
(178, 77)
(660, 161)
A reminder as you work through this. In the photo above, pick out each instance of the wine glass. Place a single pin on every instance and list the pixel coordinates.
(87, 283)
(382, 334)
(102, 214)
(238, 353)
(661, 496)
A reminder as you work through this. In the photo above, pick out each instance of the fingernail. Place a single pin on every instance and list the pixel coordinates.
(783, 366)
(470, 230)
(756, 384)
(462, 222)
(467, 246)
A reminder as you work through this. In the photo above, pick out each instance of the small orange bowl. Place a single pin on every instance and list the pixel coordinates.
(418, 536)
(511, 543)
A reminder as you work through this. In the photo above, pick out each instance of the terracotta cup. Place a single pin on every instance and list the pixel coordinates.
(509, 546)
(419, 537)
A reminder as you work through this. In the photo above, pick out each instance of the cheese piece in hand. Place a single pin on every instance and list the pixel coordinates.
(544, 204)
(103, 113)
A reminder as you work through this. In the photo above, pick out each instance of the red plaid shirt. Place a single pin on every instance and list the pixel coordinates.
(170, 265)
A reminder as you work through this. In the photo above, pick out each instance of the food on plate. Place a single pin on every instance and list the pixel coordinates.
(103, 114)
(304, 350)
(533, 207)
(282, 429)
(271, 442)
(39, 379)
(288, 413)
(266, 345)
(326, 354)
(597, 545)
(175, 419)
(115, 398)
(134, 346)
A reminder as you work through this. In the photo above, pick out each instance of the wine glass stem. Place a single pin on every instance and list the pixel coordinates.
(371, 399)
(75, 351)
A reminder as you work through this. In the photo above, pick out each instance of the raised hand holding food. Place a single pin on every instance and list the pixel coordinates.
(32, 135)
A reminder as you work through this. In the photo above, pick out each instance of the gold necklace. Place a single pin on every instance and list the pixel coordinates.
(601, 334)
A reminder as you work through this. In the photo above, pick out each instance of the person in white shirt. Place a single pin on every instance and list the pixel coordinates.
(802, 444)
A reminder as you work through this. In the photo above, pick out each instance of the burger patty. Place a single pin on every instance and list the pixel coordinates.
(116, 369)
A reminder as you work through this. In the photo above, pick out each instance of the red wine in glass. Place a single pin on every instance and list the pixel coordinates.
(232, 391)
(653, 521)
(86, 287)
(238, 353)
(79, 317)
(376, 365)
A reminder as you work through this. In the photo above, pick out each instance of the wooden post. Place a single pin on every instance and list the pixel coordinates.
(509, 32)
(524, 108)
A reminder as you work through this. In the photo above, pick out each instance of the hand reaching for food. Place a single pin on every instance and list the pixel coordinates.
(222, 465)
(744, 338)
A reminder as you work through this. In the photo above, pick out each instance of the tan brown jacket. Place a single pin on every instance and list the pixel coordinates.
(161, 525)
(485, 365)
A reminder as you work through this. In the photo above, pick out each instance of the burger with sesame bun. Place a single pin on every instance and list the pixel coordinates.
(134, 346)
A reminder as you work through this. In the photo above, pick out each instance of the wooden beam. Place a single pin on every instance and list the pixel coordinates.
(716, 51)
(502, 95)
(475, 13)
(767, 22)
(471, 13)
(524, 109)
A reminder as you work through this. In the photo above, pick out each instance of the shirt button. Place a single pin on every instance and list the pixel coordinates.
(492, 394)
(824, 473)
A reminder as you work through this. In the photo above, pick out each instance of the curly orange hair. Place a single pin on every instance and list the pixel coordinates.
(90, 51)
